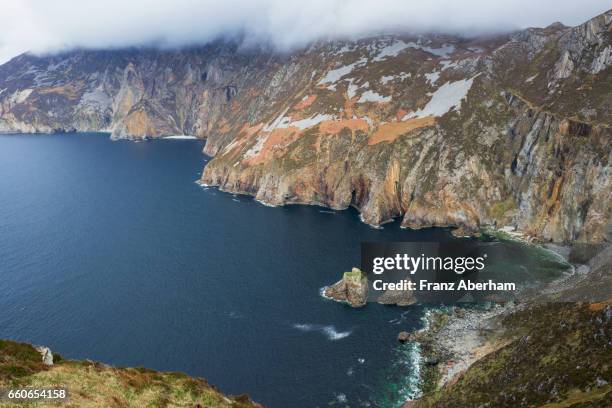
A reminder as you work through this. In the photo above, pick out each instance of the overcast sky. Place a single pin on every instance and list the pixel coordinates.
(53, 25)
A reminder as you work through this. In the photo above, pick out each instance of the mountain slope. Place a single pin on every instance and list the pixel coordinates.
(438, 130)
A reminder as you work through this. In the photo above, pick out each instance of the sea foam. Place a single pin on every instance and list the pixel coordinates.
(330, 331)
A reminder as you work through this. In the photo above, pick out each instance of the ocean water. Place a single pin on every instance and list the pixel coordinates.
(110, 251)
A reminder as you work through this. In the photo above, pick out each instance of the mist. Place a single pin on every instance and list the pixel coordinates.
(42, 26)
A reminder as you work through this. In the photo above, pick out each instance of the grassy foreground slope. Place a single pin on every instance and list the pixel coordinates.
(92, 384)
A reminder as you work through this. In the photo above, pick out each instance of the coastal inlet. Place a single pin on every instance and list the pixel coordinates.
(111, 252)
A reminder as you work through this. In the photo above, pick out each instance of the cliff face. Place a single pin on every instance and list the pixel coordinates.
(132, 93)
(438, 130)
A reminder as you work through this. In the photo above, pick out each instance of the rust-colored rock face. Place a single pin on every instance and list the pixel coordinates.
(437, 130)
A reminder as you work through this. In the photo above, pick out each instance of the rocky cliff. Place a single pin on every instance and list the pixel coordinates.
(435, 129)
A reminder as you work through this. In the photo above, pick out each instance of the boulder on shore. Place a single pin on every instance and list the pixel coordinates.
(403, 337)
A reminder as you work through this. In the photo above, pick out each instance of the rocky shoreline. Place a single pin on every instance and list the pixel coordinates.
(455, 338)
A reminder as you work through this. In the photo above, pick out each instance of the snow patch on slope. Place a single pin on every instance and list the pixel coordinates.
(432, 77)
(445, 98)
(254, 151)
(448, 64)
(444, 51)
(335, 74)
(393, 49)
(388, 78)
(371, 96)
(278, 122)
(351, 89)
(284, 122)
(310, 122)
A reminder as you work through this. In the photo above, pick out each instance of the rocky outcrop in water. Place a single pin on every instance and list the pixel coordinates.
(438, 130)
(397, 298)
(352, 288)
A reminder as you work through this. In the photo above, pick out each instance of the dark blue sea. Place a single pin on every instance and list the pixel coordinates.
(110, 251)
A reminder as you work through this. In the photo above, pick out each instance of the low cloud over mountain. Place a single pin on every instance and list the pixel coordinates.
(47, 26)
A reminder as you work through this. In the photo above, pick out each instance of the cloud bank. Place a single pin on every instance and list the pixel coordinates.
(43, 26)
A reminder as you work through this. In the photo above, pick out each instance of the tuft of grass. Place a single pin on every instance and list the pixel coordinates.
(354, 275)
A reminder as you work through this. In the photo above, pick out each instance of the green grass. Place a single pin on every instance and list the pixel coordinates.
(499, 209)
(354, 276)
(93, 384)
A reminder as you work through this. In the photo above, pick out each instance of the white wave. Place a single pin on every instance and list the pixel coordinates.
(334, 334)
(266, 203)
(341, 398)
(180, 137)
(304, 327)
(368, 224)
(412, 387)
(329, 331)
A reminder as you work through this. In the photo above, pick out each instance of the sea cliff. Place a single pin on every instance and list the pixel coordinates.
(438, 130)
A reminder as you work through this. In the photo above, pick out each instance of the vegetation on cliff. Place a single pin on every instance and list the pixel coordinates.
(92, 384)
(553, 349)
(555, 355)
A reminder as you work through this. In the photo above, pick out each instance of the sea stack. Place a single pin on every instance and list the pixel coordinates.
(352, 288)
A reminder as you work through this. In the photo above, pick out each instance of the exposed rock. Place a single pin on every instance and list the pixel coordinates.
(403, 337)
(564, 66)
(47, 355)
(462, 231)
(352, 288)
(397, 297)
(512, 131)
(431, 361)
